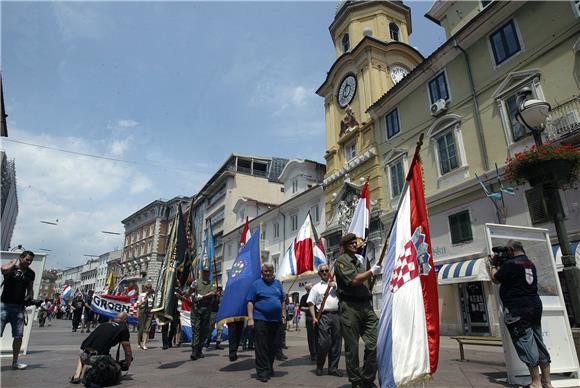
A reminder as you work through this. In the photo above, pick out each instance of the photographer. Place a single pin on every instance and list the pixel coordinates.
(104, 371)
(522, 308)
(18, 283)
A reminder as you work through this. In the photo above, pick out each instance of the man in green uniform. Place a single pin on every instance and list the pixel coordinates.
(357, 315)
(201, 302)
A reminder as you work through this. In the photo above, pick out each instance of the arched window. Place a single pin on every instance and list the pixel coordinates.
(345, 43)
(394, 31)
(368, 31)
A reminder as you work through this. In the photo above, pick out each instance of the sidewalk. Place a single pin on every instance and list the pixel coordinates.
(53, 351)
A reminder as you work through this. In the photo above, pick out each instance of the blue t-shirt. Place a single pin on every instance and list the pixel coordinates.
(267, 299)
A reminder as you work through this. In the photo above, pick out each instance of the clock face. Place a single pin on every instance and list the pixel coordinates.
(398, 73)
(346, 91)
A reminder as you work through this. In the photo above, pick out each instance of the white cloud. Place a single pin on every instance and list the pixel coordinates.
(119, 147)
(127, 123)
(140, 184)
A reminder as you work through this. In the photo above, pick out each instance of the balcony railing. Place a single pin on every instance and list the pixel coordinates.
(564, 120)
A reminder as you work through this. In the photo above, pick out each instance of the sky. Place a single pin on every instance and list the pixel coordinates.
(160, 94)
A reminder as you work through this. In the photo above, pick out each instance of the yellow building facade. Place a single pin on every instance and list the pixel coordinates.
(372, 55)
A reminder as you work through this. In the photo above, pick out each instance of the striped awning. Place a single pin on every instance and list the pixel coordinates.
(474, 270)
(574, 250)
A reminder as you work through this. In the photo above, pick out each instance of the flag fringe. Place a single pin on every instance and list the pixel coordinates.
(231, 319)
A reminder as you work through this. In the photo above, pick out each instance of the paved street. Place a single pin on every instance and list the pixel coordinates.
(53, 350)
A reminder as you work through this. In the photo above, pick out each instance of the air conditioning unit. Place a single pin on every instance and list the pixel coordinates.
(438, 107)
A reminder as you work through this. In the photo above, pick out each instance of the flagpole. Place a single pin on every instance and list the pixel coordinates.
(405, 187)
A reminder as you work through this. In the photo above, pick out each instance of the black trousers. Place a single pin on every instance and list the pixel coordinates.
(311, 335)
(281, 340)
(77, 314)
(234, 336)
(168, 333)
(329, 341)
(267, 342)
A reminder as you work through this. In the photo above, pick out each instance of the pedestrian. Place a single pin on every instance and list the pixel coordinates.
(215, 307)
(310, 332)
(235, 330)
(18, 288)
(357, 315)
(169, 328)
(201, 300)
(77, 305)
(96, 347)
(327, 321)
(290, 312)
(87, 312)
(522, 309)
(265, 306)
(145, 304)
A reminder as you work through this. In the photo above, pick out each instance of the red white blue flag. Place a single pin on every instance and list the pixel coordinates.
(408, 338)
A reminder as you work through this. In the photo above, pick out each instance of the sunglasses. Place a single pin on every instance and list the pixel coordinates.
(324, 270)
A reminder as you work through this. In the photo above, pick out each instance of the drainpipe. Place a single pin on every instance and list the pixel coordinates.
(475, 104)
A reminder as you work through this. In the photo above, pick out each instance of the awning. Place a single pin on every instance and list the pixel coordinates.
(463, 271)
(574, 250)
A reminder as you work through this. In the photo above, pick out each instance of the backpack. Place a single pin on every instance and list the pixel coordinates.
(103, 371)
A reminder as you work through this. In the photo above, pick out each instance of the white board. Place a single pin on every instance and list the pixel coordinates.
(555, 324)
(38, 267)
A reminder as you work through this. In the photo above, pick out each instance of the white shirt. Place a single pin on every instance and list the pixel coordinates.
(317, 294)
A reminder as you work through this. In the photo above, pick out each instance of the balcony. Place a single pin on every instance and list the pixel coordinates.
(563, 123)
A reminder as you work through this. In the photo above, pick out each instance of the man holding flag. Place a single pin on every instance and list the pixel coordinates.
(358, 317)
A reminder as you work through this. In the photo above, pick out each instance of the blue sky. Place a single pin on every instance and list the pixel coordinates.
(173, 87)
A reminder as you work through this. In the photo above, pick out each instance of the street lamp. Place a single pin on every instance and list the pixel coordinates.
(532, 114)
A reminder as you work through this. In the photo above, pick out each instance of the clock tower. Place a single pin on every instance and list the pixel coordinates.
(372, 55)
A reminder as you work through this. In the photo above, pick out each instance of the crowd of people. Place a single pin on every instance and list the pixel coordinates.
(338, 309)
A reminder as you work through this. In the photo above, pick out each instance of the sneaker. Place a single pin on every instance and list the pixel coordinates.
(19, 366)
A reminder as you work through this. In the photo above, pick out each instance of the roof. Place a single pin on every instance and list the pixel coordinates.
(155, 203)
(300, 161)
(421, 66)
(344, 7)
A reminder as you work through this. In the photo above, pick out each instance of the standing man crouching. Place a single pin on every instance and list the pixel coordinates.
(329, 332)
(18, 288)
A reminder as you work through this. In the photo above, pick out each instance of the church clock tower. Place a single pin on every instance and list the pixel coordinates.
(372, 55)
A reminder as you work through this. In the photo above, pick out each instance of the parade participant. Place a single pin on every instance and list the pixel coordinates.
(201, 301)
(290, 311)
(169, 329)
(18, 288)
(235, 330)
(96, 347)
(215, 307)
(77, 305)
(88, 313)
(522, 308)
(329, 331)
(357, 316)
(265, 307)
(280, 356)
(310, 333)
(145, 304)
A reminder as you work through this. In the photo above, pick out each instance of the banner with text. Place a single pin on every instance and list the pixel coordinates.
(110, 305)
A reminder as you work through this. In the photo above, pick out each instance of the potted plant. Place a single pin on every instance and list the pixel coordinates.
(557, 165)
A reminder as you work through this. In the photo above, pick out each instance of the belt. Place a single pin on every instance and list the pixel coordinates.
(330, 312)
(355, 299)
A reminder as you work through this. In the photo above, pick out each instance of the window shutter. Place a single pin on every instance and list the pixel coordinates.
(537, 206)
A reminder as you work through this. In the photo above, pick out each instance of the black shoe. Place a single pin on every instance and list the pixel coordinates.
(263, 379)
(218, 346)
(233, 357)
(165, 347)
(75, 380)
(200, 355)
(284, 347)
(194, 356)
(281, 357)
(319, 372)
(336, 373)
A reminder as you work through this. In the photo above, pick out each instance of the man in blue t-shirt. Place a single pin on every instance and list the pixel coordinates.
(265, 306)
(522, 310)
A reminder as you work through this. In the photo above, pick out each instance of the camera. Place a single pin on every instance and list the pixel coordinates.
(124, 365)
(33, 302)
(500, 255)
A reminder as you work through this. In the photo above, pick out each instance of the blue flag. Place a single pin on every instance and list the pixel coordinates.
(244, 271)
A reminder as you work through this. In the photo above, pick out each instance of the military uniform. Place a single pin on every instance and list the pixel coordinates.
(358, 319)
(200, 317)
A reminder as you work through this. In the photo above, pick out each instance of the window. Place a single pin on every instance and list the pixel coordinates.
(294, 222)
(517, 129)
(505, 43)
(396, 171)
(576, 7)
(345, 43)
(263, 232)
(368, 31)
(438, 88)
(460, 227)
(447, 151)
(394, 31)
(315, 213)
(276, 230)
(350, 150)
(294, 186)
(392, 120)
(537, 206)
(485, 3)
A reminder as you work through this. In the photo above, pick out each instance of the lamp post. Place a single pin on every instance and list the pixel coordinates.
(532, 114)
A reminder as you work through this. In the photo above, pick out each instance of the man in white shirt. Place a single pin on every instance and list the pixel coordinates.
(328, 323)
